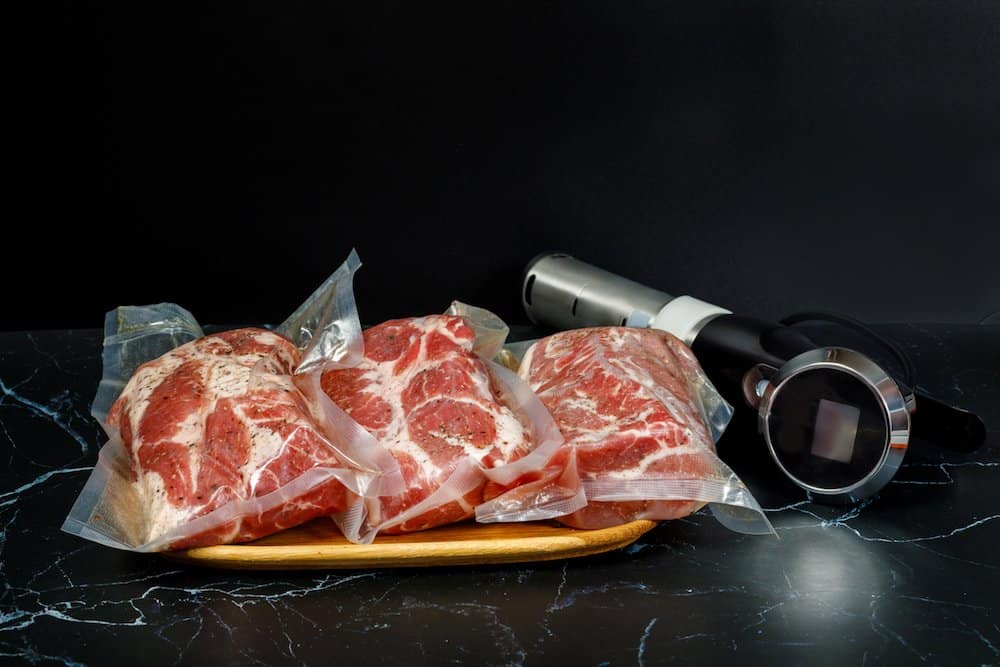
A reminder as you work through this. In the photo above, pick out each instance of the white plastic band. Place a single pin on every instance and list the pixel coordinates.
(685, 316)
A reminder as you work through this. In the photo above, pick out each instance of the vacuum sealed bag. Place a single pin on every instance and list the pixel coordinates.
(211, 438)
(640, 420)
(457, 425)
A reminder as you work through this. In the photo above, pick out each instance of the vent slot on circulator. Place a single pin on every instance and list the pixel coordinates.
(527, 288)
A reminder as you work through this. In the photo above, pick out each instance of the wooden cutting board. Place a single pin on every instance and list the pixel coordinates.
(319, 545)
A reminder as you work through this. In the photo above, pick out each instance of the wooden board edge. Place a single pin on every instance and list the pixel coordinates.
(572, 544)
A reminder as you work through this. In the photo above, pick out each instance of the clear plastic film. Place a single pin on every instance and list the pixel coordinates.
(213, 439)
(491, 331)
(542, 464)
(481, 490)
(326, 325)
(542, 485)
(460, 427)
(730, 500)
(640, 419)
(381, 472)
(134, 335)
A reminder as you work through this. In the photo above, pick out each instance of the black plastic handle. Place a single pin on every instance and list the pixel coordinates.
(729, 345)
(946, 426)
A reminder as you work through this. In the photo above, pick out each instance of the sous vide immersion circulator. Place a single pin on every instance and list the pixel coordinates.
(836, 422)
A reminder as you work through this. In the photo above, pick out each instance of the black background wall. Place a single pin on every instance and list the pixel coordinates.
(766, 156)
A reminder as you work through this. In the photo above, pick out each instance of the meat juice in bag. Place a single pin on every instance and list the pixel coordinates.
(456, 424)
(640, 420)
(212, 441)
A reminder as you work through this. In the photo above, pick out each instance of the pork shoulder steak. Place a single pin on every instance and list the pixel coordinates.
(434, 405)
(219, 422)
(621, 398)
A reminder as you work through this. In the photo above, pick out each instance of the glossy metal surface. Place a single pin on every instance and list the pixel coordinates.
(893, 402)
(562, 292)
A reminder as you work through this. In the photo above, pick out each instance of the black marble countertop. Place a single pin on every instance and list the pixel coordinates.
(912, 575)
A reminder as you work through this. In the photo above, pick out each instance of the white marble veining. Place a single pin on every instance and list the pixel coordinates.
(904, 578)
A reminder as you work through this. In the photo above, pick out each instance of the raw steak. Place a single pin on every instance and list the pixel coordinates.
(621, 398)
(218, 421)
(437, 409)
